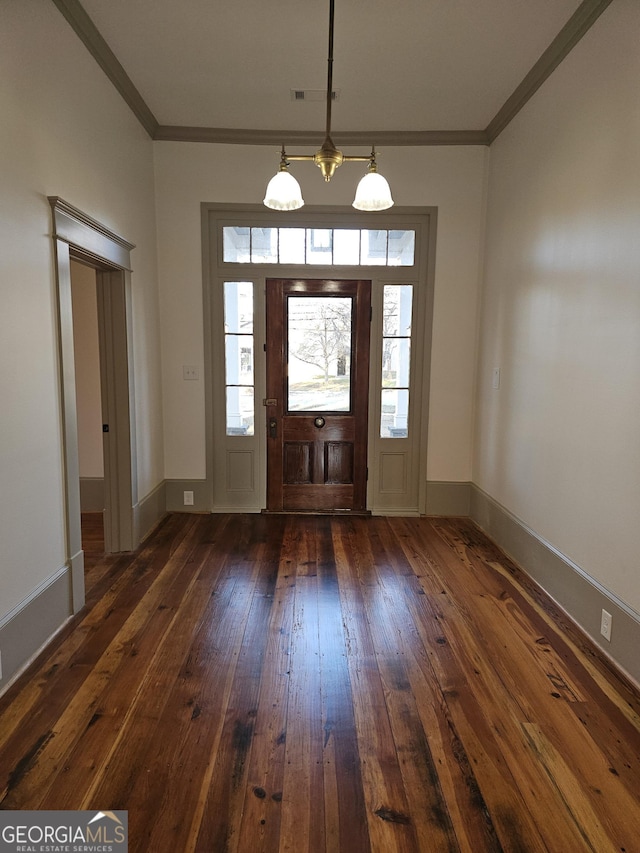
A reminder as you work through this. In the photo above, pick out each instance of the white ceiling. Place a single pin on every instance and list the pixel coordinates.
(399, 65)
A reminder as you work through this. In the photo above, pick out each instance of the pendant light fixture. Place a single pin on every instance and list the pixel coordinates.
(283, 191)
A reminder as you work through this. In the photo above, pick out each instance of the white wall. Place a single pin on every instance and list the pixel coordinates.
(451, 178)
(66, 132)
(558, 444)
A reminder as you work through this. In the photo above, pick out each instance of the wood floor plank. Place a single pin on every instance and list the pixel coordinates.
(571, 794)
(476, 698)
(266, 683)
(469, 814)
(493, 713)
(259, 829)
(542, 704)
(199, 687)
(447, 774)
(223, 803)
(44, 691)
(390, 826)
(509, 624)
(345, 808)
(65, 713)
(386, 611)
(140, 733)
(594, 671)
(303, 823)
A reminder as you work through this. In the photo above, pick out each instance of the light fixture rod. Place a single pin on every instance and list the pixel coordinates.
(330, 68)
(283, 191)
(328, 158)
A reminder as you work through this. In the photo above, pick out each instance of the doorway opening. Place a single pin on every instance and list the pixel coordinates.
(90, 420)
(79, 238)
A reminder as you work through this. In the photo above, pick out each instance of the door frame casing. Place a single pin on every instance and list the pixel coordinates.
(223, 451)
(116, 385)
(79, 237)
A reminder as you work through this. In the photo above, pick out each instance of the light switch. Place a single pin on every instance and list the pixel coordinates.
(496, 378)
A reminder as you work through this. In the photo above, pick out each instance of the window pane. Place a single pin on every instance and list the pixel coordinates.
(395, 414)
(264, 245)
(402, 245)
(292, 244)
(236, 244)
(396, 360)
(397, 310)
(239, 359)
(374, 248)
(346, 246)
(396, 355)
(240, 419)
(238, 306)
(238, 343)
(319, 245)
(319, 353)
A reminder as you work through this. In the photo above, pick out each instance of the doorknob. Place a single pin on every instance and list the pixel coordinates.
(273, 428)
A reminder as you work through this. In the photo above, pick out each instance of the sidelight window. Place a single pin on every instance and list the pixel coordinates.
(239, 357)
(396, 360)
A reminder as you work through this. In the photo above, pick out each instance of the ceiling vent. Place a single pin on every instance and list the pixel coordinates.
(314, 95)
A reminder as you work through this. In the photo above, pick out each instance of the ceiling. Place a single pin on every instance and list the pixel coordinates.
(413, 71)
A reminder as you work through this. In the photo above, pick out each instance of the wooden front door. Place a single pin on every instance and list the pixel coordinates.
(317, 394)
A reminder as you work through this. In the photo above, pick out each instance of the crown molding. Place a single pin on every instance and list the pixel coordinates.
(87, 32)
(233, 136)
(578, 24)
(575, 28)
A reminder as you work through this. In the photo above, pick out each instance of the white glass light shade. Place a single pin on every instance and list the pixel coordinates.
(283, 192)
(373, 193)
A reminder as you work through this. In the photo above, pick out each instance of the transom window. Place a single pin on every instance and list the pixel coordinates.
(318, 246)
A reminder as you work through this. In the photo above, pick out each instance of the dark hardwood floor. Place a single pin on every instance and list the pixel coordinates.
(295, 683)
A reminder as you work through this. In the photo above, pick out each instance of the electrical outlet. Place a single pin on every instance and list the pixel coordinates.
(188, 498)
(605, 625)
(190, 372)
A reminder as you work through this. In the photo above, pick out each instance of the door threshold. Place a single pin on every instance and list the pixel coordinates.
(340, 512)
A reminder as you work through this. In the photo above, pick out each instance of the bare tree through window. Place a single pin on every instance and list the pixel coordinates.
(319, 337)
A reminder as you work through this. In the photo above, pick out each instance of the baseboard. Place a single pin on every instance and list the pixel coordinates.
(175, 496)
(230, 510)
(443, 498)
(579, 595)
(150, 511)
(26, 629)
(91, 494)
(448, 498)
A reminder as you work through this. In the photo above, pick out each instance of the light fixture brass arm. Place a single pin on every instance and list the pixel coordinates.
(328, 158)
